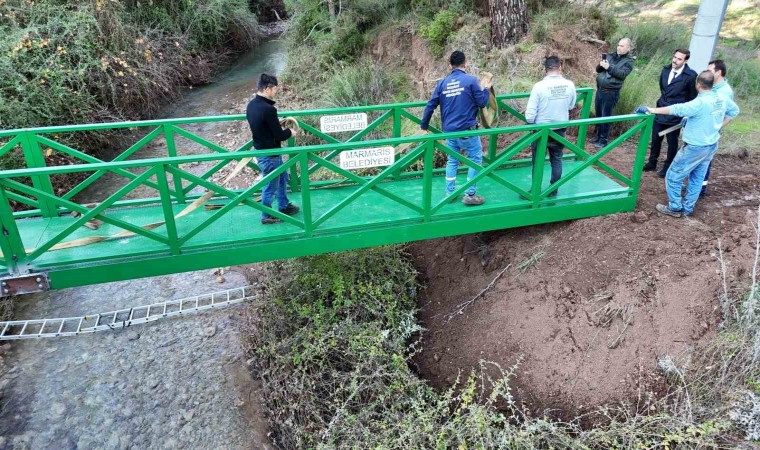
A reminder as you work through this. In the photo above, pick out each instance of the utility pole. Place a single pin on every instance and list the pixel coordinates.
(704, 36)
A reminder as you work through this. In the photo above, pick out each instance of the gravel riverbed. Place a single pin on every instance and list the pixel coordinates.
(175, 383)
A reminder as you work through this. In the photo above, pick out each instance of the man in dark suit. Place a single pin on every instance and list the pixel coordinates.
(677, 85)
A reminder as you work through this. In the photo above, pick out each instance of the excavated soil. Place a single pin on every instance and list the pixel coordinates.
(604, 298)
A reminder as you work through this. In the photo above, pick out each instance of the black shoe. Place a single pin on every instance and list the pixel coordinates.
(663, 172)
(290, 210)
(553, 193)
(594, 140)
(270, 220)
(600, 144)
(650, 166)
(703, 192)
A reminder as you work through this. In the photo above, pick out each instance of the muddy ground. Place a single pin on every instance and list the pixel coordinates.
(604, 298)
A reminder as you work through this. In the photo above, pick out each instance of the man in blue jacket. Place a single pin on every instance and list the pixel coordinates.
(611, 72)
(460, 96)
(706, 115)
(677, 85)
(268, 134)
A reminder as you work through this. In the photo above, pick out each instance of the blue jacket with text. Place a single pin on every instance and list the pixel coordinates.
(460, 96)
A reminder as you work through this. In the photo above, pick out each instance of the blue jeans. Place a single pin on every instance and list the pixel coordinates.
(690, 162)
(473, 150)
(554, 149)
(277, 187)
(604, 103)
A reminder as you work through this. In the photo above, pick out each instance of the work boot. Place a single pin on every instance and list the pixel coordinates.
(664, 209)
(270, 220)
(290, 210)
(473, 200)
(663, 171)
(650, 166)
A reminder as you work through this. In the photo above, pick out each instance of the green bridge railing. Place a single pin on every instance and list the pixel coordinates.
(175, 185)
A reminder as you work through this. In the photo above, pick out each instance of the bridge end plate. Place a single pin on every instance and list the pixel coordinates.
(24, 284)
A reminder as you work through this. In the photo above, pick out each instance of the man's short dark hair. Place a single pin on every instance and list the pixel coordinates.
(552, 62)
(457, 58)
(719, 64)
(706, 79)
(684, 52)
(266, 81)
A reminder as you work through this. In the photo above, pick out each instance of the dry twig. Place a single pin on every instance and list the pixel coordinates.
(462, 306)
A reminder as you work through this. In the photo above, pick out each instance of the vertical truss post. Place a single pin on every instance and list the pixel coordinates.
(34, 159)
(171, 149)
(10, 238)
(293, 179)
(538, 166)
(396, 134)
(493, 141)
(585, 113)
(308, 219)
(641, 153)
(396, 122)
(427, 180)
(166, 205)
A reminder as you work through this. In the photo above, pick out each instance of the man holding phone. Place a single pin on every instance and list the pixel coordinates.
(611, 72)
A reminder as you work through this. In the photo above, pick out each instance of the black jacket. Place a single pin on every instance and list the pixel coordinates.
(683, 89)
(612, 78)
(265, 128)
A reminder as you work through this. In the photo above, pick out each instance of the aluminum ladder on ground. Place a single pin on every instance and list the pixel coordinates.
(122, 318)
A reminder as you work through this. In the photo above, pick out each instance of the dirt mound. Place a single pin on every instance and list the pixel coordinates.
(596, 302)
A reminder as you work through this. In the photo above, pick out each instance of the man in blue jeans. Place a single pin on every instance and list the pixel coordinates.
(268, 134)
(705, 116)
(460, 96)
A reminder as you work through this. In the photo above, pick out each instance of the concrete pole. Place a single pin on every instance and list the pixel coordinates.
(704, 36)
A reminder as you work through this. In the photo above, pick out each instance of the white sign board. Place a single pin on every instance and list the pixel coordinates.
(367, 157)
(343, 122)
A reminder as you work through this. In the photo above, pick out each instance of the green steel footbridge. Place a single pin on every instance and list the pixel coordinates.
(133, 216)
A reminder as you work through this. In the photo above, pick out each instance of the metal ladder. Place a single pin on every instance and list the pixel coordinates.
(122, 318)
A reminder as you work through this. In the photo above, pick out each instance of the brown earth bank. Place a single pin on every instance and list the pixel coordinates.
(603, 300)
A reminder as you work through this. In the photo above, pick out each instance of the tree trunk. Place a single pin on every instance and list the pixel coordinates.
(331, 8)
(509, 21)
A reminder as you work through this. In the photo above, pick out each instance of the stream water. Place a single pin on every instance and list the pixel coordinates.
(177, 383)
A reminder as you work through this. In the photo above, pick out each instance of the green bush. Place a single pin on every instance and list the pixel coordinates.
(561, 14)
(438, 31)
(67, 62)
(364, 83)
(345, 43)
(653, 37)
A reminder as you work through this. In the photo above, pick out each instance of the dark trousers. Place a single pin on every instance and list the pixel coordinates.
(554, 149)
(672, 138)
(605, 102)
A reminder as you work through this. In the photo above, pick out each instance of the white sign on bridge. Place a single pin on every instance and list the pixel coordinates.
(367, 157)
(343, 122)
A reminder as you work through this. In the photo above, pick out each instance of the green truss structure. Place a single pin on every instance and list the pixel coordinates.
(340, 209)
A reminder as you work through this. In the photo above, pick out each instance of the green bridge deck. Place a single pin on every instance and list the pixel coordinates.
(399, 203)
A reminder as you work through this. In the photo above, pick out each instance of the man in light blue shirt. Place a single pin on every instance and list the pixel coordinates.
(705, 115)
(723, 89)
(551, 100)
